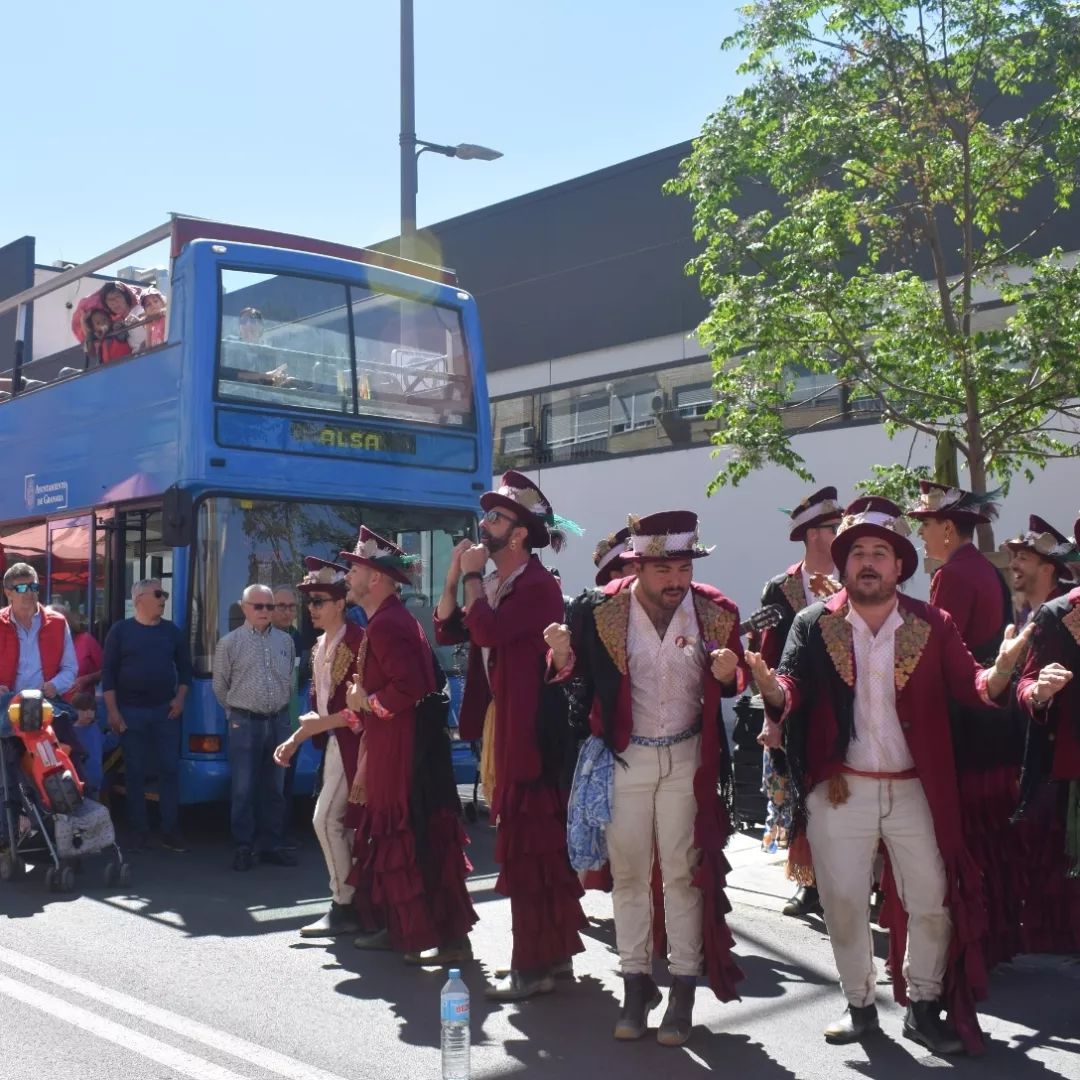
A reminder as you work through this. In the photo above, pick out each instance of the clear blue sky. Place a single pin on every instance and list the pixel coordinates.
(286, 115)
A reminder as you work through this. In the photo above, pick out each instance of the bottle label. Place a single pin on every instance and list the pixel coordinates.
(455, 1008)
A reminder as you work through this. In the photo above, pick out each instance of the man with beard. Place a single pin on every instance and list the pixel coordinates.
(813, 523)
(658, 652)
(333, 660)
(988, 743)
(862, 690)
(1050, 782)
(522, 723)
(409, 840)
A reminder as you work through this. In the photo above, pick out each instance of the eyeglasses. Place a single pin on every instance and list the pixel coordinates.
(260, 607)
(26, 586)
(494, 515)
(157, 594)
(317, 601)
(285, 607)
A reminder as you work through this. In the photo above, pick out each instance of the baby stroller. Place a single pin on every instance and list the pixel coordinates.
(46, 818)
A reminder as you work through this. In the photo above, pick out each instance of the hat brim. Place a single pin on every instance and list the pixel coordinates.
(904, 548)
(603, 575)
(400, 576)
(538, 531)
(799, 532)
(338, 590)
(1023, 545)
(959, 517)
(670, 556)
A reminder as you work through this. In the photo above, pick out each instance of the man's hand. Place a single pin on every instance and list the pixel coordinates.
(176, 707)
(724, 663)
(453, 571)
(116, 723)
(473, 559)
(283, 753)
(356, 697)
(557, 638)
(49, 689)
(1052, 679)
(1013, 648)
(770, 734)
(765, 679)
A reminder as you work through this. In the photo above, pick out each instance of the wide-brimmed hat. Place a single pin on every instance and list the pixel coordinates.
(529, 505)
(815, 510)
(380, 554)
(1045, 541)
(666, 536)
(872, 515)
(954, 504)
(609, 552)
(323, 576)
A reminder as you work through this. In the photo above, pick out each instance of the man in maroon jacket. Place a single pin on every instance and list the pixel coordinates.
(409, 840)
(863, 688)
(506, 704)
(657, 653)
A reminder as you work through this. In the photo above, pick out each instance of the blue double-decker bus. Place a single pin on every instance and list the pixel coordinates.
(299, 390)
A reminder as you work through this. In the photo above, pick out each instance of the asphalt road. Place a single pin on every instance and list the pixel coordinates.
(196, 971)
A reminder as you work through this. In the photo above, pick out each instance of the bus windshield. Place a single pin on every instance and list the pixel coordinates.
(240, 541)
(308, 343)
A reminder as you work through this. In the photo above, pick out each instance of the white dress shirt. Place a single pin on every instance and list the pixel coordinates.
(666, 674)
(878, 745)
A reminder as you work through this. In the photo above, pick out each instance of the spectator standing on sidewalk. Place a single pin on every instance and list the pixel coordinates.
(253, 680)
(146, 674)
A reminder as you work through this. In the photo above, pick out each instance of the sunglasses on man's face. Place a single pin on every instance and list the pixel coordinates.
(260, 607)
(317, 601)
(285, 607)
(494, 515)
(26, 586)
(157, 594)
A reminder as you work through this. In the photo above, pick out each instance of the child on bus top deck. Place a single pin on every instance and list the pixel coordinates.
(153, 305)
(122, 302)
(101, 342)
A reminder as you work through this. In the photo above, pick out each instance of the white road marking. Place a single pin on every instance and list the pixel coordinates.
(57, 1009)
(270, 1060)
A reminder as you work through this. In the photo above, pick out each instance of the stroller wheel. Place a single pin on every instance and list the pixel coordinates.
(110, 874)
(124, 874)
(51, 879)
(470, 812)
(66, 879)
(11, 867)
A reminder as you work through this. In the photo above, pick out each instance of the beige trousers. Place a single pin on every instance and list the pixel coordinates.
(329, 822)
(653, 810)
(844, 840)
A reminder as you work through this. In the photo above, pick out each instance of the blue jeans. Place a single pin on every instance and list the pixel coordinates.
(258, 784)
(151, 735)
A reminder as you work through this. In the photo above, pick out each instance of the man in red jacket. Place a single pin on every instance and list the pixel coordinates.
(36, 649)
(521, 721)
(863, 689)
(658, 652)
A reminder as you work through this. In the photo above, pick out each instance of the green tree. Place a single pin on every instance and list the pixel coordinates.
(859, 199)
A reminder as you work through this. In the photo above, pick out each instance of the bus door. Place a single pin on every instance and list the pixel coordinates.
(140, 554)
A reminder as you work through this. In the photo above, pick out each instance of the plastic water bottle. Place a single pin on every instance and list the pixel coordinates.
(454, 1011)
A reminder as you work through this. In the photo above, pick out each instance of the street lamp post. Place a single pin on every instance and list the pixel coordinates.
(410, 146)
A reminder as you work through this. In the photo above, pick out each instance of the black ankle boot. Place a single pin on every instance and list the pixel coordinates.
(805, 902)
(678, 1017)
(640, 997)
(924, 1025)
(857, 1021)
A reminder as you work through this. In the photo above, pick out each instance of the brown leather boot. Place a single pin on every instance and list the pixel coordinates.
(640, 997)
(678, 1018)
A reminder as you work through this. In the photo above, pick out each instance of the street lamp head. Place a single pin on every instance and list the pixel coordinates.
(472, 152)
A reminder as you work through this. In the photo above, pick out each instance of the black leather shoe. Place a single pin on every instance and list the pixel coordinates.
(857, 1021)
(641, 996)
(678, 1017)
(340, 919)
(243, 859)
(278, 857)
(923, 1024)
(805, 902)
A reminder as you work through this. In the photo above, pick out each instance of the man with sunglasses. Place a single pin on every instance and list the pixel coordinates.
(146, 674)
(36, 649)
(253, 680)
(522, 723)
